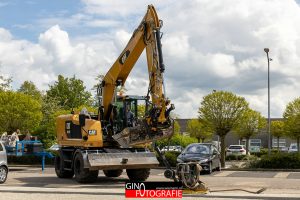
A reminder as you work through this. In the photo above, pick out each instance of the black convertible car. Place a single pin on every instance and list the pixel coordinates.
(205, 153)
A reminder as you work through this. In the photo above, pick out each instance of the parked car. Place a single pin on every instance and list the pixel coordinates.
(205, 153)
(283, 149)
(236, 150)
(3, 164)
(293, 148)
(172, 148)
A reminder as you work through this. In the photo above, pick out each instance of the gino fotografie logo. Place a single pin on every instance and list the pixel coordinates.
(153, 190)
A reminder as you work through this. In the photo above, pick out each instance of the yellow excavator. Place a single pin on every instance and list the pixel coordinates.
(113, 139)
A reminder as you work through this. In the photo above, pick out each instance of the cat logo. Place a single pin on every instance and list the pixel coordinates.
(92, 132)
(124, 57)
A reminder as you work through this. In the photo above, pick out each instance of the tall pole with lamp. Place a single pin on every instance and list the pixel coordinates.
(269, 119)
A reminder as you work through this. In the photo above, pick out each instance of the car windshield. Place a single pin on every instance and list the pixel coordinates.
(199, 149)
(294, 147)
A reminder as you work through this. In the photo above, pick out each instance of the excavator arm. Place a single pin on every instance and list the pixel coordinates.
(146, 36)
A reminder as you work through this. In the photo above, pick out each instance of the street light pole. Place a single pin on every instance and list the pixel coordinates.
(269, 119)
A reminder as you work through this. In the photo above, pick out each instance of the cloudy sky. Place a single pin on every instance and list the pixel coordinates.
(207, 45)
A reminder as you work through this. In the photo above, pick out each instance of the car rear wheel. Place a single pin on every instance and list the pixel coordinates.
(219, 166)
(210, 169)
(3, 174)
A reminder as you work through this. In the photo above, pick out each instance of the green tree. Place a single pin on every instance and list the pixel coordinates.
(19, 111)
(5, 83)
(176, 127)
(141, 111)
(199, 130)
(95, 88)
(292, 121)
(176, 139)
(30, 89)
(69, 92)
(277, 130)
(46, 132)
(49, 106)
(221, 111)
(250, 123)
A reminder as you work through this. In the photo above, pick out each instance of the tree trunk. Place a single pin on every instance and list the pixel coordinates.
(222, 151)
(198, 140)
(277, 144)
(202, 140)
(247, 146)
(298, 148)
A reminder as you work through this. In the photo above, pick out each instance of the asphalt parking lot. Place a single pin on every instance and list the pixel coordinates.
(31, 183)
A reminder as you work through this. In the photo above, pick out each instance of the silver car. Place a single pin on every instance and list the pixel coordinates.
(3, 164)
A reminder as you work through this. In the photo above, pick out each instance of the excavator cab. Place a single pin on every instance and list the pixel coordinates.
(129, 110)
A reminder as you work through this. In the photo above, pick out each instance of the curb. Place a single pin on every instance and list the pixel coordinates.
(261, 169)
(249, 169)
(223, 169)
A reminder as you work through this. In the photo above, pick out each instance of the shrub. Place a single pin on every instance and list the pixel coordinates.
(277, 161)
(263, 151)
(177, 139)
(235, 157)
(171, 157)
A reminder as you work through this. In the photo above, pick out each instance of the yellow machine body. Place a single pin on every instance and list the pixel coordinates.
(70, 133)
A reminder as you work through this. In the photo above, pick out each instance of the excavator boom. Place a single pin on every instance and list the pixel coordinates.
(157, 123)
(143, 37)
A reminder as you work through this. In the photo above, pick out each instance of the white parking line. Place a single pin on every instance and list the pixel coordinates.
(282, 175)
(224, 173)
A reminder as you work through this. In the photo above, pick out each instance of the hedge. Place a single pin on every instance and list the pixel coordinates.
(235, 157)
(263, 151)
(176, 139)
(277, 161)
(171, 157)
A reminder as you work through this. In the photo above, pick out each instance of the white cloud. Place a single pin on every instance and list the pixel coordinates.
(207, 45)
(4, 35)
(53, 54)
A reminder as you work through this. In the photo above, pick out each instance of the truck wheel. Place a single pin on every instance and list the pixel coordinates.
(138, 174)
(3, 174)
(113, 173)
(83, 175)
(59, 168)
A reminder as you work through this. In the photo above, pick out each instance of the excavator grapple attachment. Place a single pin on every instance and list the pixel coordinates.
(141, 134)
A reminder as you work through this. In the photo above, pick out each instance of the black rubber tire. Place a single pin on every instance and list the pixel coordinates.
(113, 173)
(4, 173)
(138, 174)
(59, 168)
(210, 169)
(219, 167)
(83, 175)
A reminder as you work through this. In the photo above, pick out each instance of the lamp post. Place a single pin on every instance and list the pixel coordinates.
(269, 119)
